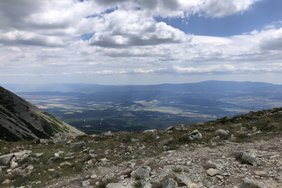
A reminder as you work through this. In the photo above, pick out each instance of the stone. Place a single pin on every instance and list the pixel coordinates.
(58, 154)
(210, 164)
(150, 131)
(13, 164)
(104, 160)
(141, 173)
(261, 173)
(17, 157)
(195, 135)
(86, 183)
(66, 163)
(108, 133)
(212, 172)
(93, 176)
(223, 134)
(248, 183)
(38, 154)
(22, 155)
(169, 128)
(147, 185)
(6, 182)
(78, 145)
(169, 183)
(52, 159)
(118, 185)
(248, 159)
(43, 141)
(5, 159)
(193, 185)
(183, 179)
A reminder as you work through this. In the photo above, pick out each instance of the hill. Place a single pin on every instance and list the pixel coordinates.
(241, 151)
(19, 120)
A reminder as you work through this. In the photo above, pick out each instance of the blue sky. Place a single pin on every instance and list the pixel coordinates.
(262, 13)
(140, 42)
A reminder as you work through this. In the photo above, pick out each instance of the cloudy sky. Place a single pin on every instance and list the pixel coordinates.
(140, 41)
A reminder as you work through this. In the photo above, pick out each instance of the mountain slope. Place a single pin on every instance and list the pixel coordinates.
(19, 120)
(241, 151)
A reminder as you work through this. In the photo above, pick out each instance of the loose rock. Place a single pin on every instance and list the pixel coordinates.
(195, 135)
(247, 183)
(223, 134)
(248, 159)
(141, 173)
(212, 172)
(169, 183)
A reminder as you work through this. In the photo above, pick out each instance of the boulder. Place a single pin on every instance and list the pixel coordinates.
(210, 164)
(248, 159)
(17, 157)
(22, 155)
(141, 173)
(183, 179)
(223, 134)
(195, 135)
(169, 183)
(248, 183)
(77, 146)
(5, 159)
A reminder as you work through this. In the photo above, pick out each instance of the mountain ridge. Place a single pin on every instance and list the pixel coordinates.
(20, 120)
(69, 87)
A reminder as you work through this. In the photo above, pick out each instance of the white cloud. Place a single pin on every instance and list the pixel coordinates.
(215, 8)
(43, 38)
(29, 38)
(136, 30)
(181, 8)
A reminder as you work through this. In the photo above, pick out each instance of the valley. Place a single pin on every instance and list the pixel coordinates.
(100, 108)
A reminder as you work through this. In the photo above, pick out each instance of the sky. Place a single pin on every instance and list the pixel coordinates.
(140, 41)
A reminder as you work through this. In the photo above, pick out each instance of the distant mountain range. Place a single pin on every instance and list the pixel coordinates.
(19, 120)
(210, 86)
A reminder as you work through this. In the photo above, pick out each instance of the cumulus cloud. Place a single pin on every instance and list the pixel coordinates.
(40, 22)
(271, 39)
(70, 19)
(136, 30)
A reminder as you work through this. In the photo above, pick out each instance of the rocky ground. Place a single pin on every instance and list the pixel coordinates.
(243, 151)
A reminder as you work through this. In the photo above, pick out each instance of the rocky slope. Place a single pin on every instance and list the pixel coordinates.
(243, 151)
(19, 120)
